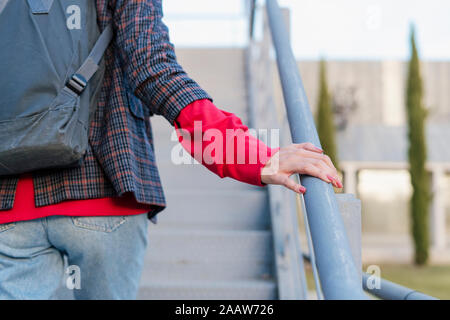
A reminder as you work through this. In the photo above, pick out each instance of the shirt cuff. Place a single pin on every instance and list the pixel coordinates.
(213, 118)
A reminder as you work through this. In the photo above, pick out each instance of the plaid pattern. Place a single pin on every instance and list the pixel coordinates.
(120, 158)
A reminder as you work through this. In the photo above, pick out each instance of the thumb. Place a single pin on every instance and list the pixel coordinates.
(294, 186)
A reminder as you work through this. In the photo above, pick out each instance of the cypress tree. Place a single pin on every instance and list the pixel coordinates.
(324, 117)
(417, 155)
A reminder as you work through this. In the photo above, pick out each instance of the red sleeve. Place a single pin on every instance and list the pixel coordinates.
(218, 140)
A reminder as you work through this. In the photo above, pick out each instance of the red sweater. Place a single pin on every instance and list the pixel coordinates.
(201, 110)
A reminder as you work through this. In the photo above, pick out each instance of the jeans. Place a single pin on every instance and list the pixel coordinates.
(80, 257)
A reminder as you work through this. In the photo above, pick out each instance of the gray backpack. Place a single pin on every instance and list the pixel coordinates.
(50, 50)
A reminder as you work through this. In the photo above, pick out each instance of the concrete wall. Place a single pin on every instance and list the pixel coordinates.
(379, 85)
(221, 73)
(380, 88)
(380, 94)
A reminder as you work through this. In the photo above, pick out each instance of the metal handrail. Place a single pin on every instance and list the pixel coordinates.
(391, 291)
(338, 274)
(339, 278)
(387, 290)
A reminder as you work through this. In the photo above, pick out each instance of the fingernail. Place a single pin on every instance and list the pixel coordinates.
(335, 182)
(302, 190)
(318, 149)
(331, 178)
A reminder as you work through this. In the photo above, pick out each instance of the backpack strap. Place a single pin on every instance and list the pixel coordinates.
(78, 82)
(40, 6)
(3, 4)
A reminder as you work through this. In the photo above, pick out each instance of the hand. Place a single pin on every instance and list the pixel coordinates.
(304, 158)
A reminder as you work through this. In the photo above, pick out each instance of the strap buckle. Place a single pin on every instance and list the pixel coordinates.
(77, 83)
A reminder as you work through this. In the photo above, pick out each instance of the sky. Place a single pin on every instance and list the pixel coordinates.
(334, 29)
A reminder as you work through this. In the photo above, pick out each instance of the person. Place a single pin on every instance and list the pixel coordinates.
(96, 215)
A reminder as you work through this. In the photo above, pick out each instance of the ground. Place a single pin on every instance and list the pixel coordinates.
(432, 280)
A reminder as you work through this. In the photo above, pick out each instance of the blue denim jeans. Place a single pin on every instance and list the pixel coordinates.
(84, 257)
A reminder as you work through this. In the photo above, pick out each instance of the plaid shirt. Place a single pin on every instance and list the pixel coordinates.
(142, 78)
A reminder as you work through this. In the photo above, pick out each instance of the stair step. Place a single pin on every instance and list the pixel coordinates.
(229, 290)
(182, 270)
(200, 209)
(213, 241)
(196, 177)
(175, 245)
(178, 254)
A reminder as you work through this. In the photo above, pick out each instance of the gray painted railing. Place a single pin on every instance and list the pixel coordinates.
(392, 291)
(338, 275)
(387, 290)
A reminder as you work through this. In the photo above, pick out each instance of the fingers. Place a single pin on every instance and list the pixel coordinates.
(330, 173)
(316, 170)
(308, 146)
(308, 150)
(323, 158)
(319, 168)
(327, 159)
(315, 152)
(336, 183)
(304, 158)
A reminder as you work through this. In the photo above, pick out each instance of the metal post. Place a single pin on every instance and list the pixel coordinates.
(338, 275)
(350, 178)
(350, 208)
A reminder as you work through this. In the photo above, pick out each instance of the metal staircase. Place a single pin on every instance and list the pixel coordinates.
(214, 240)
(221, 239)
